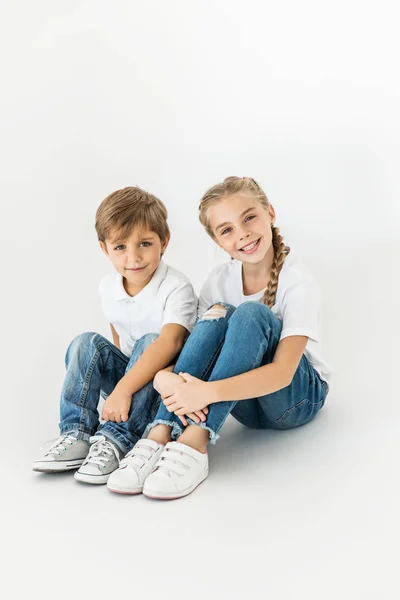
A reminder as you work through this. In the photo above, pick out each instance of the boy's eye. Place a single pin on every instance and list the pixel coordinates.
(225, 231)
(145, 244)
(250, 217)
(120, 247)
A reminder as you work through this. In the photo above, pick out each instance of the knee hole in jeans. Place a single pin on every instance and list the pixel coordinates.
(214, 313)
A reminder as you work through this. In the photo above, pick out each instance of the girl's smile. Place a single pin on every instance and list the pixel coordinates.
(251, 248)
(242, 227)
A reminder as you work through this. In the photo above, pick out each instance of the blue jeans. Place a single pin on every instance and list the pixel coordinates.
(242, 340)
(94, 367)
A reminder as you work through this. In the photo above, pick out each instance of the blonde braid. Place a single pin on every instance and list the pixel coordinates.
(280, 253)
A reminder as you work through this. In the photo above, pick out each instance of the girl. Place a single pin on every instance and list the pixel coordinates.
(254, 352)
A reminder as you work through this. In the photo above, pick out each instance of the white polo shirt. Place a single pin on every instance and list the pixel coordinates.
(297, 304)
(167, 298)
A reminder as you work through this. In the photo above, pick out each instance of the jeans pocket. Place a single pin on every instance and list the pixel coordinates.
(299, 414)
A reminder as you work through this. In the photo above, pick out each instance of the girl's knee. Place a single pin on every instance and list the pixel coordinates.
(217, 311)
(251, 309)
(252, 314)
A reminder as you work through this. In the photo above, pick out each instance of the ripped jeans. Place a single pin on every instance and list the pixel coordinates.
(94, 367)
(230, 341)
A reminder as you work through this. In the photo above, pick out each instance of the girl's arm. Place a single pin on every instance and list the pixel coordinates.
(195, 394)
(266, 379)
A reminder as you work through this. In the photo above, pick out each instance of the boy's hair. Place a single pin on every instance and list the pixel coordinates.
(128, 208)
(249, 187)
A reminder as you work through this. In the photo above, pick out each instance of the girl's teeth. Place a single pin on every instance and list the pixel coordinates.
(250, 247)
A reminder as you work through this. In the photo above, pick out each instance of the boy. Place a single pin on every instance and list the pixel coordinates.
(151, 308)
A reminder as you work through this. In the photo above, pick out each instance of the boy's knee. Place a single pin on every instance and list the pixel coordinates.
(83, 340)
(145, 341)
(81, 345)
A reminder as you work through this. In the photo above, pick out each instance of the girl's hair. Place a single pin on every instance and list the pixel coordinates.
(128, 208)
(249, 187)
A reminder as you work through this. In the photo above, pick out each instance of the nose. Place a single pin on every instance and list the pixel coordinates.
(243, 234)
(134, 257)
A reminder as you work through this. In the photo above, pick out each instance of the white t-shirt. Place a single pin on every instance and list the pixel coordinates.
(167, 298)
(297, 304)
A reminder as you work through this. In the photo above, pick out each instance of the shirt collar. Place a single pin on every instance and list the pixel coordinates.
(148, 292)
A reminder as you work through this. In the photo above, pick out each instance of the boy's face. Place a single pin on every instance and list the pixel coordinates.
(137, 257)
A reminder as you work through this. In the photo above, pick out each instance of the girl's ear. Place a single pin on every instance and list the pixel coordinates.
(103, 247)
(272, 214)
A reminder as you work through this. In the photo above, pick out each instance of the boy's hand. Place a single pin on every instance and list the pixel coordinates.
(116, 407)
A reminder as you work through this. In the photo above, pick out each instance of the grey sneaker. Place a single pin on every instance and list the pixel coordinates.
(62, 454)
(102, 460)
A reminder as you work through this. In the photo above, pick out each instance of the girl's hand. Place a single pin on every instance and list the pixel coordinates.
(116, 407)
(197, 416)
(189, 398)
(166, 384)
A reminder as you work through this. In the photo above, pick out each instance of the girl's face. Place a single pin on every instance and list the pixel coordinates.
(241, 226)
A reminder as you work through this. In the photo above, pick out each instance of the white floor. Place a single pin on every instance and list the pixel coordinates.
(307, 513)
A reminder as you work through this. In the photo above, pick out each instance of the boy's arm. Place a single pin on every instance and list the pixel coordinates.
(115, 337)
(157, 356)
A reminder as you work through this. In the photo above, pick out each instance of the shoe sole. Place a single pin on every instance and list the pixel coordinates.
(182, 495)
(93, 479)
(124, 491)
(57, 467)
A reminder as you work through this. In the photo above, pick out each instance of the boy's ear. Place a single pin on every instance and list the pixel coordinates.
(103, 247)
(164, 245)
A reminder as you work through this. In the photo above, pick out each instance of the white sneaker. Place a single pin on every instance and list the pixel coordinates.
(178, 472)
(102, 460)
(135, 467)
(62, 454)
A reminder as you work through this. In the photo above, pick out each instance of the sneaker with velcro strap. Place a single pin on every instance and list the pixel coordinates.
(135, 467)
(179, 470)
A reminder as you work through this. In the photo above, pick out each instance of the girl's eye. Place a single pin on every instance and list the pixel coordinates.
(250, 217)
(225, 231)
(145, 244)
(120, 247)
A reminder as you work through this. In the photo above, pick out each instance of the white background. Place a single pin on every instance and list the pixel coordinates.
(174, 96)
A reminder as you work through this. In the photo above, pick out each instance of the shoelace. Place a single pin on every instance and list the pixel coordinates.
(100, 452)
(137, 457)
(60, 444)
